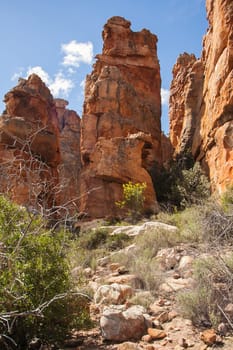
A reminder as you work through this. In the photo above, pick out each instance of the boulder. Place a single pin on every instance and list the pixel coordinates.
(113, 294)
(121, 324)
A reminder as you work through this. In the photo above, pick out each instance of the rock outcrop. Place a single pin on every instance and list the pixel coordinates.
(213, 139)
(39, 149)
(120, 131)
(29, 147)
(201, 102)
(70, 163)
(185, 100)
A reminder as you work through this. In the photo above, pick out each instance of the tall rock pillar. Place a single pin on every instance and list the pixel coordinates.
(120, 128)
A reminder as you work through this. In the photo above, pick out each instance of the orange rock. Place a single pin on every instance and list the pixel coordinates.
(185, 99)
(29, 145)
(201, 99)
(208, 336)
(213, 142)
(156, 333)
(39, 148)
(120, 128)
(70, 162)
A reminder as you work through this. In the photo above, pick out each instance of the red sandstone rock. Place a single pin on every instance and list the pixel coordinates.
(70, 163)
(213, 139)
(120, 129)
(185, 100)
(30, 120)
(40, 149)
(156, 333)
(201, 102)
(29, 145)
(208, 336)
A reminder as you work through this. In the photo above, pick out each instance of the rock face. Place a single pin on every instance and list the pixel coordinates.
(185, 101)
(201, 103)
(70, 163)
(39, 148)
(29, 147)
(213, 142)
(120, 132)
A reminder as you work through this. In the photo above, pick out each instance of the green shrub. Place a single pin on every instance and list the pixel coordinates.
(133, 199)
(205, 303)
(35, 287)
(142, 261)
(189, 222)
(227, 199)
(182, 184)
(93, 239)
(101, 238)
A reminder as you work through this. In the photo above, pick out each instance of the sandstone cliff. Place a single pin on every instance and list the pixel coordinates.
(70, 163)
(29, 149)
(120, 129)
(39, 148)
(201, 103)
(185, 100)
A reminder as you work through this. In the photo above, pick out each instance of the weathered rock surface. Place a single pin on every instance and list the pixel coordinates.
(39, 149)
(113, 294)
(201, 102)
(185, 100)
(29, 146)
(120, 324)
(70, 163)
(121, 133)
(147, 227)
(213, 142)
(30, 118)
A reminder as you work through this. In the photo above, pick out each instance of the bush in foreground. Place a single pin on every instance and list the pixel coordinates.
(36, 297)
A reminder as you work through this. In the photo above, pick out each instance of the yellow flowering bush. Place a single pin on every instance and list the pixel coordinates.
(133, 199)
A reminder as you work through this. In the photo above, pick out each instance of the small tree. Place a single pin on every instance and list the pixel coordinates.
(133, 199)
(36, 297)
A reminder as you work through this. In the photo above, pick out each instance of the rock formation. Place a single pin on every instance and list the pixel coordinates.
(201, 103)
(213, 139)
(29, 144)
(185, 100)
(70, 164)
(120, 131)
(39, 148)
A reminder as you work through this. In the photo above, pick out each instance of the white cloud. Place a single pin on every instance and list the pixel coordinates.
(61, 86)
(165, 96)
(40, 72)
(18, 74)
(76, 53)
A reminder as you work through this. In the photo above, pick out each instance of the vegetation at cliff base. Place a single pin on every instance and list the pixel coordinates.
(133, 199)
(182, 183)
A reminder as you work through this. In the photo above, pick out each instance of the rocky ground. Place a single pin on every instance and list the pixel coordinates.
(122, 323)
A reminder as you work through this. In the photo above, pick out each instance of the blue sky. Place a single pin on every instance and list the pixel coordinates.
(59, 38)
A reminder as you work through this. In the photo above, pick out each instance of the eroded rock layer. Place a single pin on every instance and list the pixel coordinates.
(39, 148)
(120, 129)
(201, 103)
(213, 142)
(185, 100)
(70, 163)
(29, 144)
